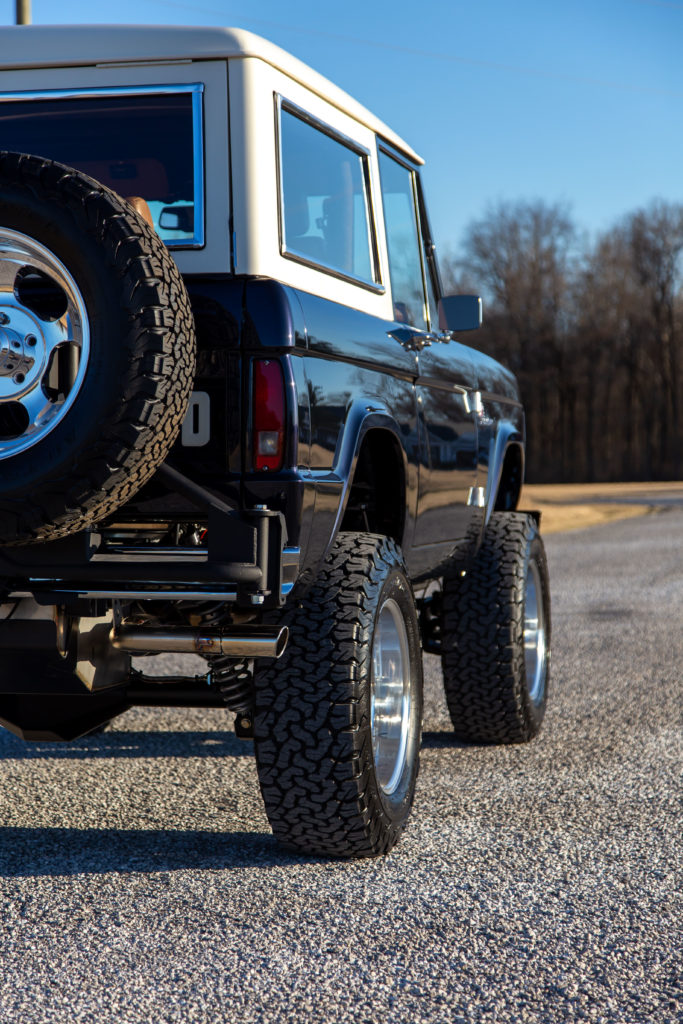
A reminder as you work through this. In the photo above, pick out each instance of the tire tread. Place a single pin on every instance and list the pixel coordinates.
(313, 744)
(482, 637)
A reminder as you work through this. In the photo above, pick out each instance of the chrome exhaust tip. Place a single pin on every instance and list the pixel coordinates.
(233, 641)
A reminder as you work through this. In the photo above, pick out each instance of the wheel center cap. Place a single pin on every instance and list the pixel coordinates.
(15, 355)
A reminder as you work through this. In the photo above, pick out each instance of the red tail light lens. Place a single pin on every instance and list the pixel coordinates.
(268, 414)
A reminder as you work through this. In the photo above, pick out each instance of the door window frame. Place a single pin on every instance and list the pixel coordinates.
(428, 264)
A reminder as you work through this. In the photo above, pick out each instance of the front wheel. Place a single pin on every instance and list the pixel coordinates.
(496, 635)
(338, 717)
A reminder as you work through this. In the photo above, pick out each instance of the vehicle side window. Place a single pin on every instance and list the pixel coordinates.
(324, 199)
(403, 243)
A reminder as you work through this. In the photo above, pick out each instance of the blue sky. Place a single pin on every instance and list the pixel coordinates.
(570, 100)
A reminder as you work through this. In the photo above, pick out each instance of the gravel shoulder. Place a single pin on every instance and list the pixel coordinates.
(139, 881)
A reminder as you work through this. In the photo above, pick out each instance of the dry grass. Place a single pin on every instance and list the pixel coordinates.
(575, 506)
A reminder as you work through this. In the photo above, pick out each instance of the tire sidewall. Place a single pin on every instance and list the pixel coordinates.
(397, 804)
(535, 553)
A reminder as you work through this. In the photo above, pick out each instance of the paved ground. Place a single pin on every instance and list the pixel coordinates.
(139, 882)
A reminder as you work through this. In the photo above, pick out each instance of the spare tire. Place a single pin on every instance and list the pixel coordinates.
(97, 350)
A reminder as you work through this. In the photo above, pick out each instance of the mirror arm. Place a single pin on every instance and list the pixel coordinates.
(440, 336)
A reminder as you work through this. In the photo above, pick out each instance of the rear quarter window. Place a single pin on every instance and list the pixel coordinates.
(325, 211)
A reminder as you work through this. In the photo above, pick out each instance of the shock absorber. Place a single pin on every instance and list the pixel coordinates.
(235, 680)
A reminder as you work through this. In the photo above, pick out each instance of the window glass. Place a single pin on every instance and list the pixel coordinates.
(140, 145)
(324, 200)
(403, 243)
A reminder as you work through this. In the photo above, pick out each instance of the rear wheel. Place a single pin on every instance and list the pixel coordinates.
(338, 717)
(496, 635)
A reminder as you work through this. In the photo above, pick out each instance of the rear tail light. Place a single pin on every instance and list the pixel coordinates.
(268, 407)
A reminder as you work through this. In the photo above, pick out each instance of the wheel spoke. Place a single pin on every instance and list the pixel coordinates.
(38, 407)
(8, 274)
(56, 333)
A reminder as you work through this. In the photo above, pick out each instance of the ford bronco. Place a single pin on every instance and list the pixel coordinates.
(237, 420)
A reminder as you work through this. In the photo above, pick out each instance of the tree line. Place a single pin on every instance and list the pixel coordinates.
(593, 329)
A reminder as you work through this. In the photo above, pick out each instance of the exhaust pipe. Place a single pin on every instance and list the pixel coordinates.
(235, 642)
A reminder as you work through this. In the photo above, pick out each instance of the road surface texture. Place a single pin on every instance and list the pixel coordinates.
(139, 883)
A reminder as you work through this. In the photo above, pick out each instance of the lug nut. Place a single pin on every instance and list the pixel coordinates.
(19, 379)
(4, 319)
(30, 339)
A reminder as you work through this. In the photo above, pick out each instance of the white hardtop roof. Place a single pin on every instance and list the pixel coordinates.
(46, 46)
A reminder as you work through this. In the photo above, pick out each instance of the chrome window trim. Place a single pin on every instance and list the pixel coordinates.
(196, 90)
(376, 285)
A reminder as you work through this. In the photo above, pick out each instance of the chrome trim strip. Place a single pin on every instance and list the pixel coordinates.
(196, 89)
(322, 126)
(292, 254)
(135, 595)
(98, 90)
(149, 554)
(198, 165)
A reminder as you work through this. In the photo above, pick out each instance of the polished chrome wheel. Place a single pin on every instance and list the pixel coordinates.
(391, 697)
(535, 651)
(44, 341)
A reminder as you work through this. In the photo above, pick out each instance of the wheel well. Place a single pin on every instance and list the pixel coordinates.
(377, 498)
(511, 479)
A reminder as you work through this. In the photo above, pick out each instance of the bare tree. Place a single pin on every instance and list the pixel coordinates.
(522, 255)
(594, 333)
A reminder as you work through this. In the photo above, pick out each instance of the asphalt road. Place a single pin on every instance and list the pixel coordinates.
(139, 881)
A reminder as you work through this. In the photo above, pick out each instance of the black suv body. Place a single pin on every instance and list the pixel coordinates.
(272, 450)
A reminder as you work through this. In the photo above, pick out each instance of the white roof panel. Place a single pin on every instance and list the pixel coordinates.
(44, 46)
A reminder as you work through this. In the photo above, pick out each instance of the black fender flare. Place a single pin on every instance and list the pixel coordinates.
(508, 435)
(365, 414)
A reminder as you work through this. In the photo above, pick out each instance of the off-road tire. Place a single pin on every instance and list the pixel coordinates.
(314, 750)
(482, 646)
(142, 353)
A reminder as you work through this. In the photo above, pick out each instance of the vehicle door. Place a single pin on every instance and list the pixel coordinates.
(446, 376)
